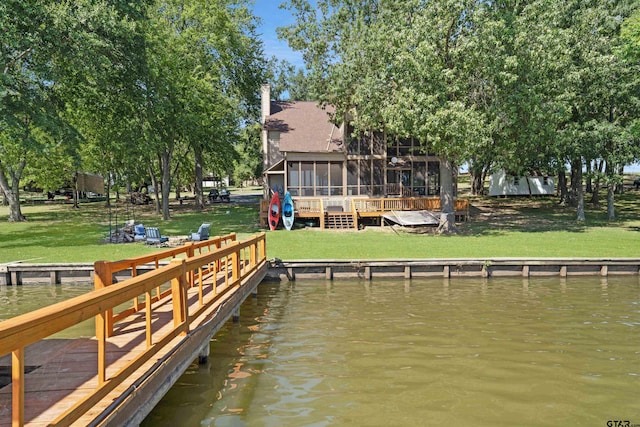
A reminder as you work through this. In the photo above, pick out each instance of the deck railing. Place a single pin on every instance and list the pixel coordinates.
(105, 271)
(235, 261)
(371, 207)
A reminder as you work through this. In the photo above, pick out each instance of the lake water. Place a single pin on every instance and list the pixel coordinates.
(480, 352)
(474, 352)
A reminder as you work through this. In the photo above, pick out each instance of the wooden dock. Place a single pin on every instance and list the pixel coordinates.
(149, 329)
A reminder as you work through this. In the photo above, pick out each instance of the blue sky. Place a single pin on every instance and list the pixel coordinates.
(273, 17)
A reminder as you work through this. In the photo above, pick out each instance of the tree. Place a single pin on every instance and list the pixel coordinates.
(287, 82)
(248, 166)
(52, 53)
(205, 66)
(600, 89)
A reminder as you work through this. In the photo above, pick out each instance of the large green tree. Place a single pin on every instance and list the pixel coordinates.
(600, 91)
(51, 54)
(204, 68)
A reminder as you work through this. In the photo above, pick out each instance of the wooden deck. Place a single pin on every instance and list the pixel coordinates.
(320, 209)
(116, 377)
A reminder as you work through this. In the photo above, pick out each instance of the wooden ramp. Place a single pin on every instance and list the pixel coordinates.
(117, 379)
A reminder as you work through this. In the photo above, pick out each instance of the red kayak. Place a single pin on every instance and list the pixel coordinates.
(274, 211)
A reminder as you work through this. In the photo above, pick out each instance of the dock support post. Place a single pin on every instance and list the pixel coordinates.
(604, 271)
(5, 276)
(563, 271)
(329, 273)
(445, 272)
(525, 271)
(203, 357)
(407, 272)
(236, 315)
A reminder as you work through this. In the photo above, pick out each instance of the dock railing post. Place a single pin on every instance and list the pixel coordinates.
(235, 268)
(17, 387)
(191, 252)
(262, 247)
(103, 277)
(179, 297)
(104, 321)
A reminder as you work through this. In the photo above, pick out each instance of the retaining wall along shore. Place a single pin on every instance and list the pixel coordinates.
(25, 273)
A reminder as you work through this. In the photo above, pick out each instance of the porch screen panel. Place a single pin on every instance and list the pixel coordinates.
(378, 177)
(293, 178)
(306, 178)
(352, 178)
(365, 144)
(419, 178)
(322, 179)
(365, 177)
(335, 176)
(433, 178)
(379, 143)
(404, 146)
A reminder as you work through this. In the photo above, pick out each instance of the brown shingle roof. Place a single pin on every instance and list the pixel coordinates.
(304, 127)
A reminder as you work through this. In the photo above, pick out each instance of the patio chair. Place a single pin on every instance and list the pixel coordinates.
(202, 233)
(139, 234)
(154, 236)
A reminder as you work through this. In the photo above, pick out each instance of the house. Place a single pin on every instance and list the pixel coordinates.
(504, 184)
(337, 178)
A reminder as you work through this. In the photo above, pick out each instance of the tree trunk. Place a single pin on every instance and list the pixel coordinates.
(15, 211)
(478, 174)
(562, 187)
(447, 215)
(12, 191)
(589, 177)
(199, 192)
(620, 185)
(595, 195)
(166, 182)
(477, 185)
(156, 186)
(575, 183)
(611, 188)
(578, 190)
(108, 191)
(611, 211)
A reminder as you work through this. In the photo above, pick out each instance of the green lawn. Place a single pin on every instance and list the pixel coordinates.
(498, 228)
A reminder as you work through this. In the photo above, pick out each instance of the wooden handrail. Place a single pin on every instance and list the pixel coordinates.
(186, 250)
(104, 271)
(18, 332)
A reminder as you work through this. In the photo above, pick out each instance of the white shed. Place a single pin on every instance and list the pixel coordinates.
(503, 184)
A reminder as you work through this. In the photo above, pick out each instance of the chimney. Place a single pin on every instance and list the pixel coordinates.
(266, 100)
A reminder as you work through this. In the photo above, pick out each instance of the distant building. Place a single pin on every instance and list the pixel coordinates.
(504, 184)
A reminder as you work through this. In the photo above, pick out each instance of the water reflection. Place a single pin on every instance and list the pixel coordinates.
(420, 352)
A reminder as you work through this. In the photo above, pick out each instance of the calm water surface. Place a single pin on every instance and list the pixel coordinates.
(15, 300)
(498, 352)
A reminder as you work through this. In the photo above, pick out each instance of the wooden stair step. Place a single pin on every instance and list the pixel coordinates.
(339, 220)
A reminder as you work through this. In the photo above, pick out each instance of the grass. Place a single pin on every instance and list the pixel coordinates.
(498, 228)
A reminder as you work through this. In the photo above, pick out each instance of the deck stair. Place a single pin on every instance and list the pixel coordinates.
(337, 219)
